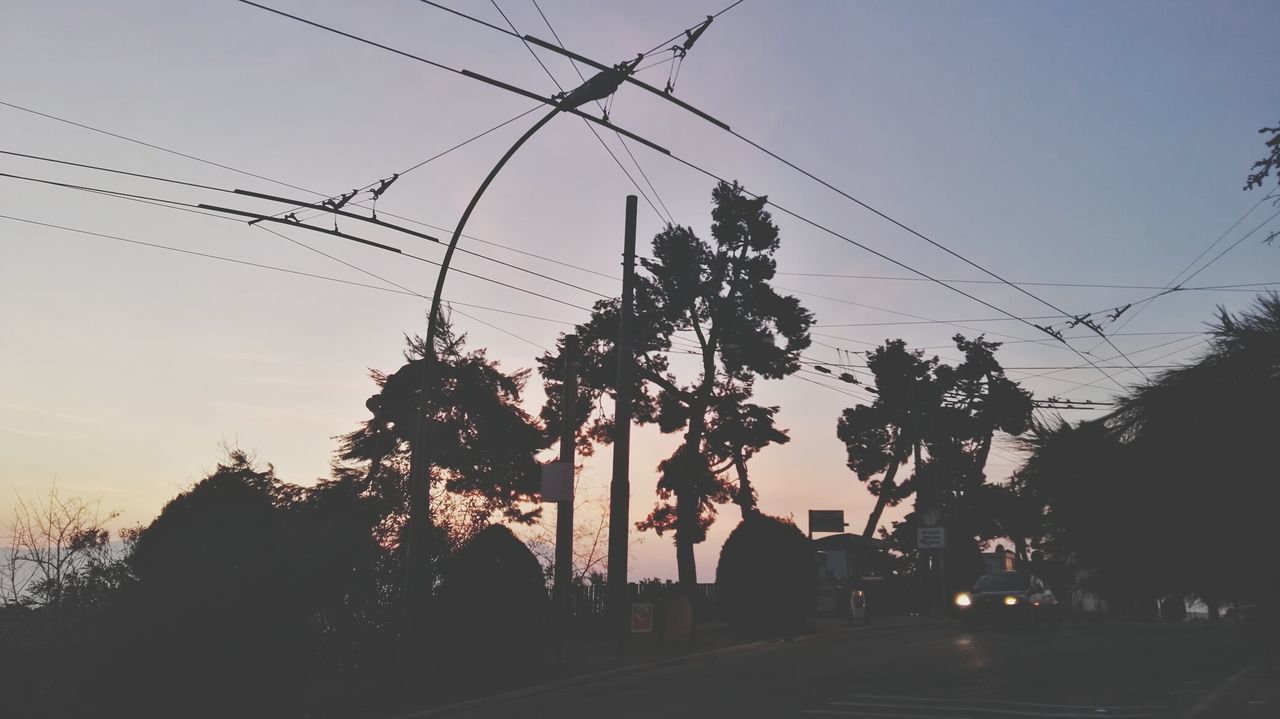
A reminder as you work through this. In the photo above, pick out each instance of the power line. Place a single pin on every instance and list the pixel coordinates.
(845, 194)
(283, 183)
(686, 162)
(1232, 246)
(684, 33)
(670, 219)
(689, 164)
(273, 218)
(559, 87)
(1174, 282)
(156, 147)
(1219, 288)
(889, 259)
(336, 233)
(396, 289)
(441, 154)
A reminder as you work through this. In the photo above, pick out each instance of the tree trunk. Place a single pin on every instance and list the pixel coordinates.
(887, 488)
(1211, 604)
(745, 497)
(1019, 548)
(686, 529)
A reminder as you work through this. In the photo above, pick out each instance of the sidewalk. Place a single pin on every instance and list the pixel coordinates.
(597, 660)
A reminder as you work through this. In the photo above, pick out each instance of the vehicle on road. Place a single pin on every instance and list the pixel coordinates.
(1009, 597)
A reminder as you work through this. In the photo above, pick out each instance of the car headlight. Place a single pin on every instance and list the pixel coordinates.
(963, 600)
(1010, 601)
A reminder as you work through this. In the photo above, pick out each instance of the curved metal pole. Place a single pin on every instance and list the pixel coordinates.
(419, 484)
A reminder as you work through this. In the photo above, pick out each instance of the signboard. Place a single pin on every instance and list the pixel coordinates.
(931, 537)
(557, 482)
(641, 618)
(826, 520)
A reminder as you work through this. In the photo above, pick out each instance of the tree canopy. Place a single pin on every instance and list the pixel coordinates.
(709, 323)
(1174, 491)
(481, 446)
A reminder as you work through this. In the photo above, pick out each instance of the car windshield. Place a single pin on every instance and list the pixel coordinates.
(1011, 581)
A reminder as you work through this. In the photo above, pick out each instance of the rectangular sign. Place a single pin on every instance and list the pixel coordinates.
(826, 520)
(931, 538)
(641, 618)
(557, 482)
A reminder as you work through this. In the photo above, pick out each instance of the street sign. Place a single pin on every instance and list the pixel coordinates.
(930, 517)
(931, 537)
(826, 520)
(641, 618)
(557, 482)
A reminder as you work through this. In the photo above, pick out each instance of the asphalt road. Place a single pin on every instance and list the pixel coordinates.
(1120, 671)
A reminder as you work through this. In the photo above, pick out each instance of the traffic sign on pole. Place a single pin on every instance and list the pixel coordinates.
(931, 537)
(826, 520)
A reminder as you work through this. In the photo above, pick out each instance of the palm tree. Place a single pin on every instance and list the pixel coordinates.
(1208, 431)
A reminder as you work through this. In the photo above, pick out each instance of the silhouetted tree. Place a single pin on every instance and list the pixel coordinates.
(720, 293)
(1264, 167)
(954, 413)
(1173, 492)
(481, 446)
(1215, 420)
(879, 437)
(765, 579)
(217, 601)
(58, 551)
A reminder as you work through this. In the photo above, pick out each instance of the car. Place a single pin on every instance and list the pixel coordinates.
(1009, 597)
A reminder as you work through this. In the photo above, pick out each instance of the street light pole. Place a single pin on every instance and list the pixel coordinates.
(417, 579)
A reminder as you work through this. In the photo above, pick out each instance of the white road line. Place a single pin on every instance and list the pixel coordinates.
(1208, 700)
(846, 713)
(1098, 713)
(958, 700)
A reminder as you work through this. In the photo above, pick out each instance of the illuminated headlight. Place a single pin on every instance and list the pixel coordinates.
(1010, 601)
(963, 600)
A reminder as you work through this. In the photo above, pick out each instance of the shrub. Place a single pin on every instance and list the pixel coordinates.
(766, 578)
(492, 606)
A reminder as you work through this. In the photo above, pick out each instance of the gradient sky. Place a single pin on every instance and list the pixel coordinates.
(1094, 142)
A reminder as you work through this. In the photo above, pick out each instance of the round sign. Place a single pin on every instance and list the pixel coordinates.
(930, 517)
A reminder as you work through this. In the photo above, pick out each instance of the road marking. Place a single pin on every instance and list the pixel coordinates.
(842, 713)
(1092, 714)
(1002, 702)
(1209, 699)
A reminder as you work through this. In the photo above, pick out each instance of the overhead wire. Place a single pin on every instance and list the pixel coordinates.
(283, 183)
(559, 87)
(213, 188)
(1081, 285)
(1173, 283)
(371, 243)
(621, 140)
(866, 206)
(805, 219)
(395, 289)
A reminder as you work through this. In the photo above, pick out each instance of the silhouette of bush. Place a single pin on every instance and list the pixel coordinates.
(766, 578)
(491, 608)
(217, 600)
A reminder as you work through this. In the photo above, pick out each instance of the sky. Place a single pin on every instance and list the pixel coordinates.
(1054, 142)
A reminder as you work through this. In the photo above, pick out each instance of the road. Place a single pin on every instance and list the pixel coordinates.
(1120, 671)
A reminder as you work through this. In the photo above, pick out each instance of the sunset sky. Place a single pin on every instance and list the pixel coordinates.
(1051, 142)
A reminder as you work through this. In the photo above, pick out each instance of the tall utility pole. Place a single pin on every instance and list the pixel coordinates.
(417, 581)
(620, 487)
(564, 508)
